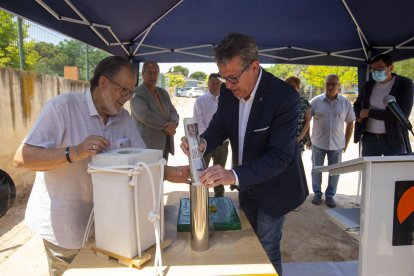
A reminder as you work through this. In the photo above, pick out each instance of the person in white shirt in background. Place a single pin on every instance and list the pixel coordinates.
(204, 109)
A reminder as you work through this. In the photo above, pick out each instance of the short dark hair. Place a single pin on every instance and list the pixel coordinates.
(236, 44)
(213, 75)
(384, 57)
(293, 79)
(109, 67)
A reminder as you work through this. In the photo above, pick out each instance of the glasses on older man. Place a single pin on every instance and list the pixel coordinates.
(234, 79)
(125, 92)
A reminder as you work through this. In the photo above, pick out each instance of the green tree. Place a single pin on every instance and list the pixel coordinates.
(52, 59)
(315, 75)
(405, 68)
(9, 50)
(198, 75)
(67, 53)
(175, 80)
(179, 69)
(282, 71)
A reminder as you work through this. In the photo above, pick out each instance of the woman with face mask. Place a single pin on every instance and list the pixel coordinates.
(377, 127)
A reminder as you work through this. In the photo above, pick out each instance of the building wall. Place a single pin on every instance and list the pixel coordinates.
(22, 96)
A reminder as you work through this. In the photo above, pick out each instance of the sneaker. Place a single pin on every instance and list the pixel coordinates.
(330, 202)
(317, 200)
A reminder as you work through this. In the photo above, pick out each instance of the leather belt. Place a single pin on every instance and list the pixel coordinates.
(376, 135)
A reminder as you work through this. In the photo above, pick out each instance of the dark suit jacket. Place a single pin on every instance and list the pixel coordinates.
(272, 171)
(402, 90)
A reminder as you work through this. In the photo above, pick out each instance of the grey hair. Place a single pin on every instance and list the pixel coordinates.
(236, 44)
(109, 67)
(332, 76)
(149, 63)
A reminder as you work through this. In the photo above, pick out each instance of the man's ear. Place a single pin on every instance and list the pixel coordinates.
(391, 68)
(255, 65)
(102, 82)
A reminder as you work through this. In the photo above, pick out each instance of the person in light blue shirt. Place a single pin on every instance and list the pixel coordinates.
(330, 112)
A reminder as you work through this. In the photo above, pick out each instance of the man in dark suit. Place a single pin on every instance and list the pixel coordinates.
(377, 127)
(258, 113)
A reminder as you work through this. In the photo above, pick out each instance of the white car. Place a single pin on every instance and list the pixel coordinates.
(190, 92)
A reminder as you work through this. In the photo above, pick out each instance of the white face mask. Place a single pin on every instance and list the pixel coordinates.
(379, 76)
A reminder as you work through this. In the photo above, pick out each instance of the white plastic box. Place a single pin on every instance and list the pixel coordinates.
(113, 196)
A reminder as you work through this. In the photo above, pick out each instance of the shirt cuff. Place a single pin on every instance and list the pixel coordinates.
(237, 179)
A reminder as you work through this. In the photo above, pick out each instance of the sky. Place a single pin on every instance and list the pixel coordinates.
(207, 68)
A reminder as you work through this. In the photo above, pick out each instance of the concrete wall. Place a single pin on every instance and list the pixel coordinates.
(22, 96)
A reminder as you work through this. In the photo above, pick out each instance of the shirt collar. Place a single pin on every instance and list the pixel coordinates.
(212, 96)
(92, 107)
(324, 97)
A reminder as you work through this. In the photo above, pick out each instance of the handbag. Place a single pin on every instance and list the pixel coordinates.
(7, 192)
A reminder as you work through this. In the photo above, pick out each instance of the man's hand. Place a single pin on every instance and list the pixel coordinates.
(217, 175)
(90, 146)
(184, 145)
(346, 146)
(309, 144)
(44, 159)
(179, 174)
(170, 128)
(363, 113)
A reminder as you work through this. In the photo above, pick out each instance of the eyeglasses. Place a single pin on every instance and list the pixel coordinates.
(125, 91)
(235, 79)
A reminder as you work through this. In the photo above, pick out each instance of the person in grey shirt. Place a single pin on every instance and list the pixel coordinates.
(155, 116)
(330, 111)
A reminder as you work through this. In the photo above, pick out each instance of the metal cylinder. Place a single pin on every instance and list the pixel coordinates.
(199, 218)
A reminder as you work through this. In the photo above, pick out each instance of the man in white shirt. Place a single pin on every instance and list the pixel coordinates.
(204, 109)
(330, 112)
(71, 128)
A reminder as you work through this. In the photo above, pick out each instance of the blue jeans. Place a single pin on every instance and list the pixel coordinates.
(318, 157)
(377, 146)
(268, 229)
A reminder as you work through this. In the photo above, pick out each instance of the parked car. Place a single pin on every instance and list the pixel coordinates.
(351, 95)
(190, 92)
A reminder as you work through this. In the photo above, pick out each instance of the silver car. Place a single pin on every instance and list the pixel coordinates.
(190, 92)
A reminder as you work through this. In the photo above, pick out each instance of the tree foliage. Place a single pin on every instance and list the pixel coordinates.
(43, 57)
(282, 71)
(175, 80)
(9, 50)
(405, 68)
(198, 75)
(315, 75)
(179, 69)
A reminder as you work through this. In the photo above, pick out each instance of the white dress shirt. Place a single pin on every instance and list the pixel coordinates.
(204, 109)
(244, 113)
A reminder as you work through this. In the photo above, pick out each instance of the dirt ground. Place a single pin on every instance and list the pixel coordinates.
(309, 235)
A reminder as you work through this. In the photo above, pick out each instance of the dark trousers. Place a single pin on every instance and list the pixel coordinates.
(377, 145)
